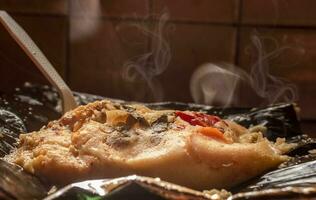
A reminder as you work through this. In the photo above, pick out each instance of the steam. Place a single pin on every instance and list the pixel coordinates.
(153, 63)
(85, 22)
(227, 85)
(88, 13)
(269, 87)
(216, 84)
(213, 84)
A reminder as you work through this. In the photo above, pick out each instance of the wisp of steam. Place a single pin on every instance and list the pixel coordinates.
(85, 21)
(218, 84)
(88, 13)
(213, 84)
(153, 63)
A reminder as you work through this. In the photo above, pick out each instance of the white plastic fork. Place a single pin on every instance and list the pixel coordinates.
(39, 59)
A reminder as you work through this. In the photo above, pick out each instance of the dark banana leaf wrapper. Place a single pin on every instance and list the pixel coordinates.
(30, 107)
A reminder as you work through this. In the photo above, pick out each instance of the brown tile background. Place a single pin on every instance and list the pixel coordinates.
(110, 8)
(53, 7)
(279, 12)
(224, 11)
(198, 31)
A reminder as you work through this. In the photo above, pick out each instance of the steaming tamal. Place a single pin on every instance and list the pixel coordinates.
(106, 140)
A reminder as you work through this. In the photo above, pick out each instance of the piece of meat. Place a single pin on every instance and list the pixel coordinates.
(105, 140)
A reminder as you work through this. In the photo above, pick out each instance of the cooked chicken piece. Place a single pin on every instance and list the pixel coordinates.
(105, 140)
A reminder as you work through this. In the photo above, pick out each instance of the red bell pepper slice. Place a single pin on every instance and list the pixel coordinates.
(200, 119)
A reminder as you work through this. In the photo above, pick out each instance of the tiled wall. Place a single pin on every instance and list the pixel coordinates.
(198, 31)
